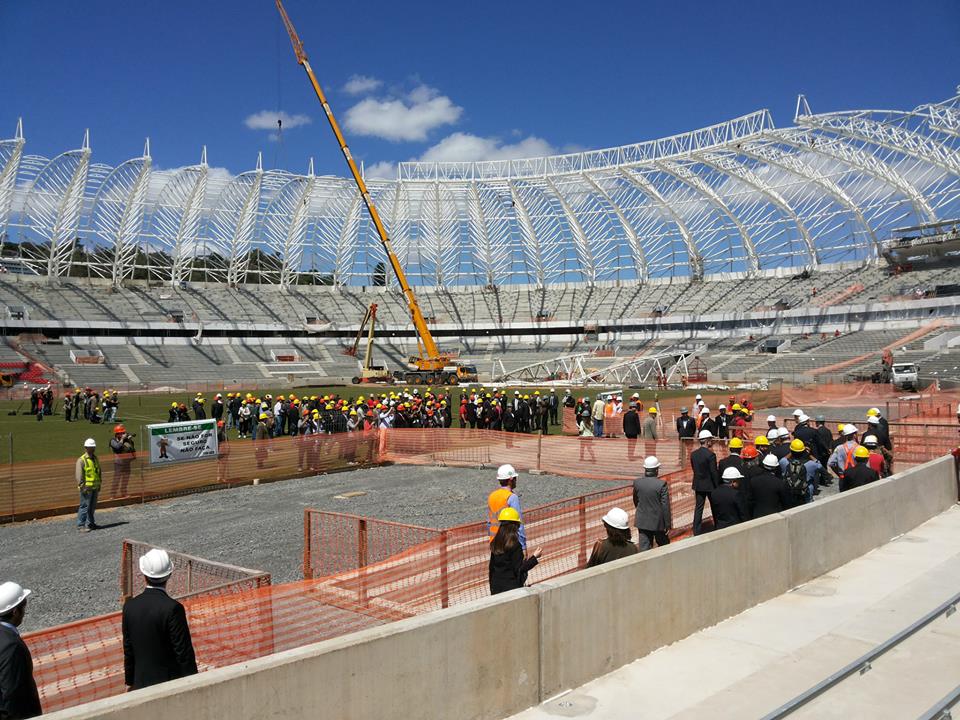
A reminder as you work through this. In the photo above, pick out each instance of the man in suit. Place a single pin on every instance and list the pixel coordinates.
(725, 501)
(156, 638)
(686, 431)
(18, 690)
(706, 477)
(631, 429)
(651, 497)
(768, 493)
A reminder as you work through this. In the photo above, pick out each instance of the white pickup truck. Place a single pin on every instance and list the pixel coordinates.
(903, 376)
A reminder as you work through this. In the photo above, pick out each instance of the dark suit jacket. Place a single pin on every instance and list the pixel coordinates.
(631, 424)
(652, 500)
(18, 691)
(768, 494)
(859, 474)
(156, 640)
(726, 506)
(812, 439)
(705, 474)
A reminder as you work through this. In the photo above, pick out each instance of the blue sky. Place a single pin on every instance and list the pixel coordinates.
(441, 80)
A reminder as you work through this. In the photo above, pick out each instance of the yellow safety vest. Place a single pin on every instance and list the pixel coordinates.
(91, 472)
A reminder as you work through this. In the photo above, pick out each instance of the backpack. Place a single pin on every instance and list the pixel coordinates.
(796, 478)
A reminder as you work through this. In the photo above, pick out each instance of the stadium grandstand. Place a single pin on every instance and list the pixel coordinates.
(732, 242)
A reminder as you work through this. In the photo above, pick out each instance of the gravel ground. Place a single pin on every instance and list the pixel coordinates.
(76, 575)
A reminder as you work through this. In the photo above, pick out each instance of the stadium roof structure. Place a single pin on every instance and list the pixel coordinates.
(738, 196)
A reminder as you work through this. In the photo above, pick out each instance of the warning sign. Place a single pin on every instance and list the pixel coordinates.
(182, 441)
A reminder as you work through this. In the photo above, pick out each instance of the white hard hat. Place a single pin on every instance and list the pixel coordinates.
(771, 460)
(11, 595)
(731, 473)
(90, 442)
(798, 412)
(871, 440)
(505, 472)
(850, 429)
(783, 432)
(722, 407)
(699, 397)
(705, 435)
(771, 418)
(617, 518)
(802, 418)
(873, 420)
(704, 410)
(651, 463)
(636, 395)
(773, 434)
(156, 564)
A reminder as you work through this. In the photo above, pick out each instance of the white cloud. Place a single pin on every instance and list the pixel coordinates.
(381, 171)
(408, 118)
(267, 120)
(361, 84)
(464, 147)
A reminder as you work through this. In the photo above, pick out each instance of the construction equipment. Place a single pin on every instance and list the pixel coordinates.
(369, 373)
(431, 366)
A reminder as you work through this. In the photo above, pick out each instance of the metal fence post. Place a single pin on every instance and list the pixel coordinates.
(362, 558)
(189, 576)
(444, 580)
(582, 557)
(539, 448)
(307, 554)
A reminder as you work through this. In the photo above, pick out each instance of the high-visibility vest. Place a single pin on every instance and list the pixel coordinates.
(91, 472)
(496, 502)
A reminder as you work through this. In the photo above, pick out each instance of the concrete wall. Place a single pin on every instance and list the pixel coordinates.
(497, 656)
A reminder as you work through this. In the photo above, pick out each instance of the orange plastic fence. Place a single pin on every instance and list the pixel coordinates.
(193, 576)
(41, 488)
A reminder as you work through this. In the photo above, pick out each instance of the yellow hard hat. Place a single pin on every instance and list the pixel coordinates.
(872, 412)
(509, 514)
(263, 416)
(797, 446)
(329, 406)
(526, 397)
(861, 452)
(760, 440)
(736, 406)
(736, 444)
(280, 397)
(652, 411)
(353, 412)
(840, 427)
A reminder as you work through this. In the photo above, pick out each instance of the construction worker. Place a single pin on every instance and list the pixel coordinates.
(880, 458)
(553, 403)
(88, 479)
(19, 697)
(771, 423)
(124, 453)
(650, 433)
(877, 429)
(631, 429)
(707, 422)
(768, 491)
(800, 472)
(172, 414)
(860, 473)
(738, 425)
(651, 498)
(843, 457)
(780, 447)
(504, 497)
(826, 441)
(260, 437)
(734, 459)
(156, 636)
(597, 415)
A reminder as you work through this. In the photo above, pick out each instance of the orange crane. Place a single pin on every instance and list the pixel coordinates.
(431, 365)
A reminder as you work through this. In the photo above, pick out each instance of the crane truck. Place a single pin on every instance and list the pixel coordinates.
(430, 365)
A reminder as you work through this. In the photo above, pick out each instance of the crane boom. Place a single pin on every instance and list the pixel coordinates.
(430, 356)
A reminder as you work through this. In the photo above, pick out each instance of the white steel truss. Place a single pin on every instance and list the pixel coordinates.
(739, 196)
(576, 369)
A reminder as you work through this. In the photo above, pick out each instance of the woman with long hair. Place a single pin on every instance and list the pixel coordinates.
(508, 566)
(618, 543)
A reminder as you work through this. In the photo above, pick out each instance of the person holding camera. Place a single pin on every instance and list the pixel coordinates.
(124, 453)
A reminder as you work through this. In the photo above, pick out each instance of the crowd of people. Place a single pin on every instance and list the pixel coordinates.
(91, 406)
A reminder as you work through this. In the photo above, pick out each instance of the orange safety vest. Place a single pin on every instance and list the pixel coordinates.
(496, 502)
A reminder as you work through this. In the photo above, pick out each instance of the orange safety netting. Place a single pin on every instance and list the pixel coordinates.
(42, 488)
(193, 576)
(387, 571)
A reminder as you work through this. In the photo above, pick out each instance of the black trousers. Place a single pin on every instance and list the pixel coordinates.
(648, 537)
(702, 498)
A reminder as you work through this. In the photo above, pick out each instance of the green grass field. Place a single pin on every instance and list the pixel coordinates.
(53, 438)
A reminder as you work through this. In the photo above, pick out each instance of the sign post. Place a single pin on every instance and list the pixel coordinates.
(182, 441)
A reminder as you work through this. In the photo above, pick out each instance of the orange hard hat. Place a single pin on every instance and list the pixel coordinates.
(119, 429)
